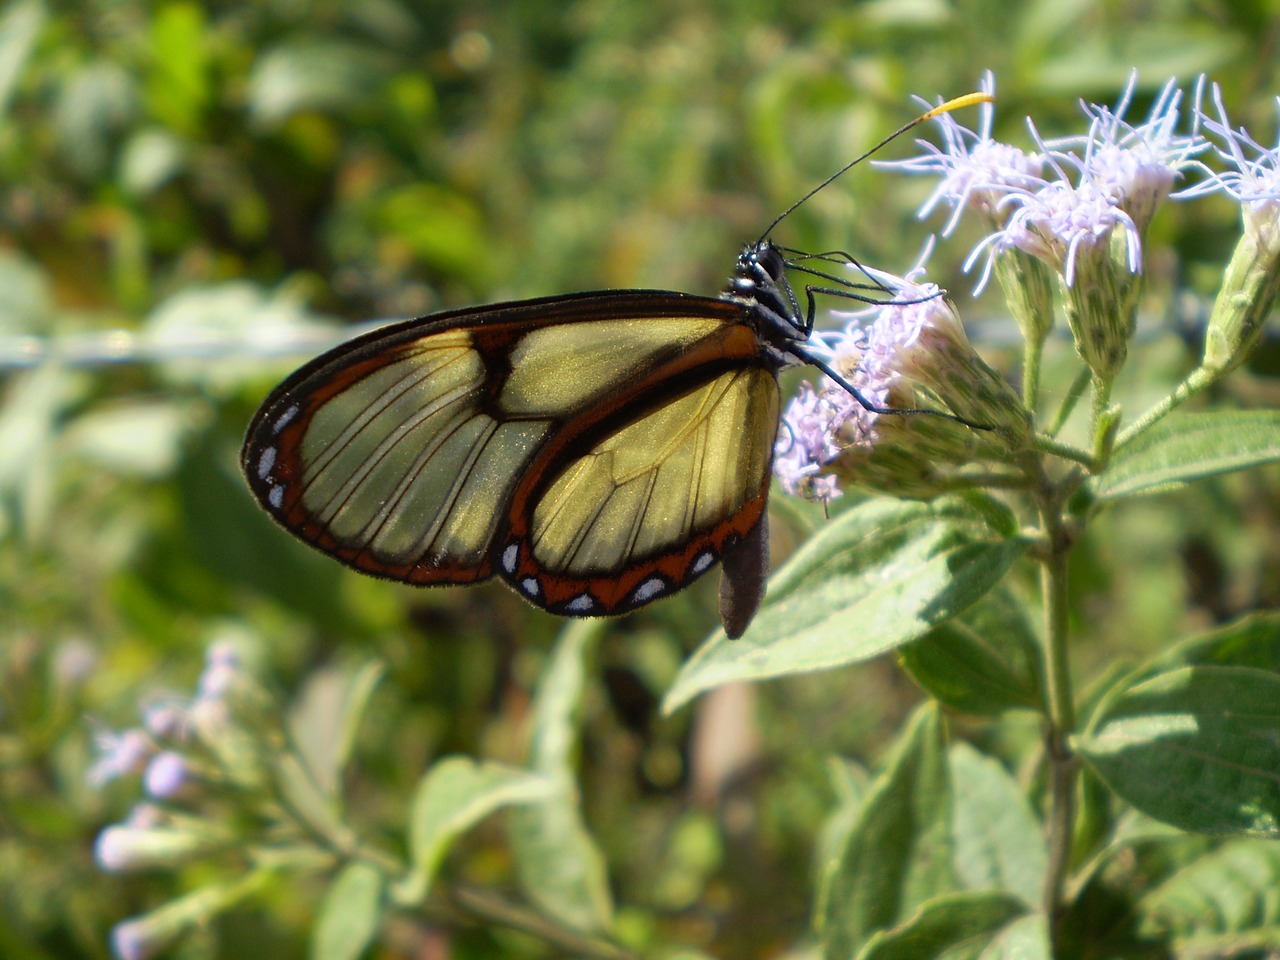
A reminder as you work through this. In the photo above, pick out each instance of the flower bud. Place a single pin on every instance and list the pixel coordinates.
(144, 937)
(123, 848)
(1248, 292)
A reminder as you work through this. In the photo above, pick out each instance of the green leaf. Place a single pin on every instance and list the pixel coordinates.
(898, 854)
(1027, 938)
(1187, 447)
(19, 28)
(999, 842)
(849, 780)
(326, 717)
(953, 926)
(349, 914)
(983, 662)
(1231, 890)
(1195, 747)
(140, 438)
(313, 74)
(454, 795)
(178, 86)
(1251, 641)
(559, 866)
(875, 578)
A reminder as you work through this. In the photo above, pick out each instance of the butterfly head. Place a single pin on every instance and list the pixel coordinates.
(760, 279)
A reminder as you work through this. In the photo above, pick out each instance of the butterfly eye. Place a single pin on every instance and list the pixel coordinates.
(771, 261)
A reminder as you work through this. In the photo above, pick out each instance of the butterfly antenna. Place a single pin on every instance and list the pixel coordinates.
(968, 99)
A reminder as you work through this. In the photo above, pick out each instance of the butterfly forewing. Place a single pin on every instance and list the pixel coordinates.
(594, 444)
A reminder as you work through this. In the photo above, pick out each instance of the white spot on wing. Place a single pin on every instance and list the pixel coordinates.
(530, 586)
(703, 560)
(266, 460)
(510, 556)
(583, 603)
(276, 496)
(283, 420)
(653, 587)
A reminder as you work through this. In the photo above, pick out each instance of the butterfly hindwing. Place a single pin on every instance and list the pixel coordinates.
(426, 450)
(640, 508)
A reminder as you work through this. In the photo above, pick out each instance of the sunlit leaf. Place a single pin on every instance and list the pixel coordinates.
(1183, 448)
(1026, 938)
(1195, 747)
(952, 926)
(873, 579)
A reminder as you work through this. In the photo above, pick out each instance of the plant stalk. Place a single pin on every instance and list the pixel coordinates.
(1060, 824)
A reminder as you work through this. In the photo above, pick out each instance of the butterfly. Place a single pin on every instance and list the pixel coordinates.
(597, 451)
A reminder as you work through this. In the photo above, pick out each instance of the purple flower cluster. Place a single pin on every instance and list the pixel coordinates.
(1076, 208)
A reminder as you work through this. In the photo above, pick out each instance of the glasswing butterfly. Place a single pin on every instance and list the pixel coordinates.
(596, 451)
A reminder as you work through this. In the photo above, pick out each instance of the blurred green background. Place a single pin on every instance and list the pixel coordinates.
(193, 197)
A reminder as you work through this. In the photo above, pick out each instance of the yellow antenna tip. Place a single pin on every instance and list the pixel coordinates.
(968, 100)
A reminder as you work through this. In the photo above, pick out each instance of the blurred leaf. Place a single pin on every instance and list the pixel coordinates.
(141, 438)
(1105, 60)
(349, 915)
(454, 795)
(307, 799)
(1195, 747)
(1185, 447)
(96, 100)
(898, 854)
(983, 662)
(189, 333)
(150, 158)
(558, 863)
(952, 926)
(1231, 891)
(178, 82)
(1027, 938)
(224, 532)
(29, 413)
(999, 842)
(19, 26)
(440, 227)
(325, 719)
(25, 298)
(313, 74)
(876, 577)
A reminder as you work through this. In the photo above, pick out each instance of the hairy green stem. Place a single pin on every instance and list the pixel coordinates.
(1047, 444)
(1060, 700)
(1196, 381)
(1032, 353)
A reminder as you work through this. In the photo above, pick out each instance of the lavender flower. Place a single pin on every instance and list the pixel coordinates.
(1136, 166)
(1252, 278)
(120, 755)
(168, 775)
(909, 354)
(976, 171)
